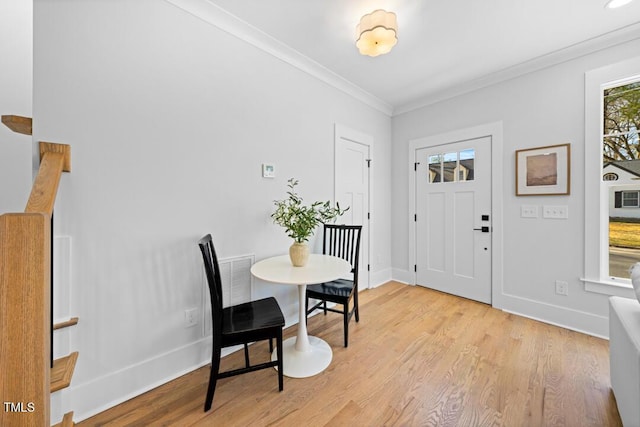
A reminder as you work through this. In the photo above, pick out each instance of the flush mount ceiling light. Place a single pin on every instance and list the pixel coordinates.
(377, 33)
(613, 4)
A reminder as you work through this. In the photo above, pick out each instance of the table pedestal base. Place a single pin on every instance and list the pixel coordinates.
(302, 364)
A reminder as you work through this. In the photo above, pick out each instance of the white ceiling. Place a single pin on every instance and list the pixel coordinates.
(444, 47)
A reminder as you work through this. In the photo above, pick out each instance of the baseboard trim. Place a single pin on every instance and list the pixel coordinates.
(380, 277)
(117, 387)
(575, 320)
(403, 276)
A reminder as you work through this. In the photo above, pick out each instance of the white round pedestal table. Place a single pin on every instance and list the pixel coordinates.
(303, 356)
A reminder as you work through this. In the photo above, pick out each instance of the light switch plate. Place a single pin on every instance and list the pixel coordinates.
(529, 211)
(555, 212)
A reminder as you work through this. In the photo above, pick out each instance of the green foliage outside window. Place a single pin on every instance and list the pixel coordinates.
(621, 123)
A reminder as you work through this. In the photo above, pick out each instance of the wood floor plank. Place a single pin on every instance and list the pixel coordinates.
(417, 357)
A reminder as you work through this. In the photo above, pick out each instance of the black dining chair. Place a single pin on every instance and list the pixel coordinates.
(342, 241)
(239, 324)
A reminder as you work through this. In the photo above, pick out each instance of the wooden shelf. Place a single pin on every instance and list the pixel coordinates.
(62, 371)
(18, 124)
(72, 321)
(67, 421)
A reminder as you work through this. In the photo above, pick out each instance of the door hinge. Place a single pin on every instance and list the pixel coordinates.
(368, 163)
(415, 268)
(368, 267)
(415, 217)
(368, 215)
(415, 166)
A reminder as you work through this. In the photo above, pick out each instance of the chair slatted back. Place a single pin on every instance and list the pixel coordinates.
(214, 280)
(343, 241)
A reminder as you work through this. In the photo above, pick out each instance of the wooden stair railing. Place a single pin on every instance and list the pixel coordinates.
(18, 124)
(72, 321)
(25, 296)
(67, 421)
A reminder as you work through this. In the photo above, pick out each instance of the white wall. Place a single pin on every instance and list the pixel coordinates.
(538, 109)
(16, 51)
(169, 120)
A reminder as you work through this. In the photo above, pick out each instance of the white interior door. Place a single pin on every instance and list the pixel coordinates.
(352, 166)
(453, 218)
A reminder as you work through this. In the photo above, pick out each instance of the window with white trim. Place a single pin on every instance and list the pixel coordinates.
(612, 117)
(620, 147)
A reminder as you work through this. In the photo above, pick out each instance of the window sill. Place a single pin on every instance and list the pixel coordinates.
(622, 288)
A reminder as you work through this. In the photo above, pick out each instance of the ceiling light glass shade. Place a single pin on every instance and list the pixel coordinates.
(377, 33)
(612, 4)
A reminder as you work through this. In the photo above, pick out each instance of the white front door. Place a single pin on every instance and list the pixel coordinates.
(453, 218)
(352, 168)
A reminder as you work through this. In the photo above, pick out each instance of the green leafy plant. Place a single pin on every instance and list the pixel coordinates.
(300, 221)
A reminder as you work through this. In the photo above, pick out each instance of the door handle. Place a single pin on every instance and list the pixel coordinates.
(484, 229)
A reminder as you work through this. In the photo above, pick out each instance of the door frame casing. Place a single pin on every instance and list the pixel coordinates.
(494, 131)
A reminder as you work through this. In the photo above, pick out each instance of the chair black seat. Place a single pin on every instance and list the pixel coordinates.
(251, 317)
(340, 288)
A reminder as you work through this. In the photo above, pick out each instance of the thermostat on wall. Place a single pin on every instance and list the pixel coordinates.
(268, 170)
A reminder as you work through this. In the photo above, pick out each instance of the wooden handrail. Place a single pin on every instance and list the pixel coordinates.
(55, 158)
(25, 295)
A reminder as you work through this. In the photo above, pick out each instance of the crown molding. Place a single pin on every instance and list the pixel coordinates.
(604, 41)
(220, 18)
(223, 20)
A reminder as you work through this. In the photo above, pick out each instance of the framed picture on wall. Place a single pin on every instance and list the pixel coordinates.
(543, 171)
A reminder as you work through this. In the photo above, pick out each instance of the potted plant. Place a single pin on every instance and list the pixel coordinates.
(300, 221)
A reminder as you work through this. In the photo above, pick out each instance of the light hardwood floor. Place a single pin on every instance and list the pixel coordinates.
(416, 358)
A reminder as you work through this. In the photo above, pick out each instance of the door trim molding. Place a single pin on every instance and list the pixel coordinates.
(494, 131)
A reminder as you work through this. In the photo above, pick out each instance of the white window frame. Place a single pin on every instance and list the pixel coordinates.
(596, 248)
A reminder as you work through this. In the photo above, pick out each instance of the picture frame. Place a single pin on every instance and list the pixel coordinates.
(544, 171)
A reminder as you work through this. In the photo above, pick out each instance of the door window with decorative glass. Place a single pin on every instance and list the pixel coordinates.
(452, 167)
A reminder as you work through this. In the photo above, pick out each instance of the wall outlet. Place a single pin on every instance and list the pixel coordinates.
(190, 317)
(528, 211)
(562, 288)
